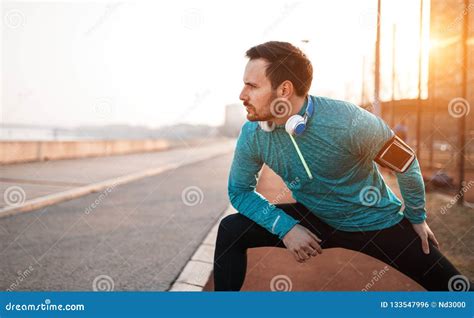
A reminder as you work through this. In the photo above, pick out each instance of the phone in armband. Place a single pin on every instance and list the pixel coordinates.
(395, 155)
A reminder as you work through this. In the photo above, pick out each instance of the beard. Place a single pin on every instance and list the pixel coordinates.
(264, 114)
(252, 114)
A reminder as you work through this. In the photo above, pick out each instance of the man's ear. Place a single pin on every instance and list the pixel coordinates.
(286, 89)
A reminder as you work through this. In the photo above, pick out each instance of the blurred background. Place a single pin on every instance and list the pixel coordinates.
(134, 70)
(84, 80)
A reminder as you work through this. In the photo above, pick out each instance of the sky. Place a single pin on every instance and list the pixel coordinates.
(157, 63)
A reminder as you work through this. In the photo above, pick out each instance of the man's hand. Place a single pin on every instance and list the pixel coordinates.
(302, 243)
(425, 233)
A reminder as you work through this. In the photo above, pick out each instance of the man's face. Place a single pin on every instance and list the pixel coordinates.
(257, 93)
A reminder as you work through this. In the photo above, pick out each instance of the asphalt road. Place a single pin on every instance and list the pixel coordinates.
(136, 236)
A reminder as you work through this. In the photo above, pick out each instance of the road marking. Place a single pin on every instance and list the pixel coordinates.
(55, 198)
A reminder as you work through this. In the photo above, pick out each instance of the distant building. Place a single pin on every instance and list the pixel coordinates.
(234, 119)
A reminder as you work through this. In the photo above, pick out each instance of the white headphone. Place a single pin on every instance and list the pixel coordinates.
(295, 125)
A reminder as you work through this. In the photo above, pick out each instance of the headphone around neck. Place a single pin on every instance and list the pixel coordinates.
(295, 125)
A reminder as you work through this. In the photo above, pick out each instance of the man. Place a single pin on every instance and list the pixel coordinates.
(326, 158)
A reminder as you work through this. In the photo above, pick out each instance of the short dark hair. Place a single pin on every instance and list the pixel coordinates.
(286, 62)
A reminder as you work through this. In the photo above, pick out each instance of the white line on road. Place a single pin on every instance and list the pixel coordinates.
(55, 198)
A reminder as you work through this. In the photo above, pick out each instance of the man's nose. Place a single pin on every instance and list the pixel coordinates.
(243, 95)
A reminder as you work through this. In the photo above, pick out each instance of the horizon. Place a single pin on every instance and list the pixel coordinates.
(72, 64)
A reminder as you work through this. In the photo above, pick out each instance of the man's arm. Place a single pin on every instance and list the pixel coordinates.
(242, 183)
(412, 188)
(369, 135)
(300, 241)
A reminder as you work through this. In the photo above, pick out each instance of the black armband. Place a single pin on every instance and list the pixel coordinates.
(395, 155)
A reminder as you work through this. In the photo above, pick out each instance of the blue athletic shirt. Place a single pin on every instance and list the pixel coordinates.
(347, 190)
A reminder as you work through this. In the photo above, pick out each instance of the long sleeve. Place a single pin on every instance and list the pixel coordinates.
(369, 133)
(242, 183)
(412, 188)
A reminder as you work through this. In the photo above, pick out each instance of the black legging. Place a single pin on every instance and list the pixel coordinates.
(398, 246)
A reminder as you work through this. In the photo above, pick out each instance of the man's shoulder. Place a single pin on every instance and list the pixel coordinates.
(249, 128)
(247, 137)
(336, 113)
(250, 125)
(248, 132)
(331, 104)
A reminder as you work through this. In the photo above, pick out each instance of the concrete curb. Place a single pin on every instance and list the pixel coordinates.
(197, 271)
(51, 199)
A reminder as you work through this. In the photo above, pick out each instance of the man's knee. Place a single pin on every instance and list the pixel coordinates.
(231, 222)
(231, 226)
